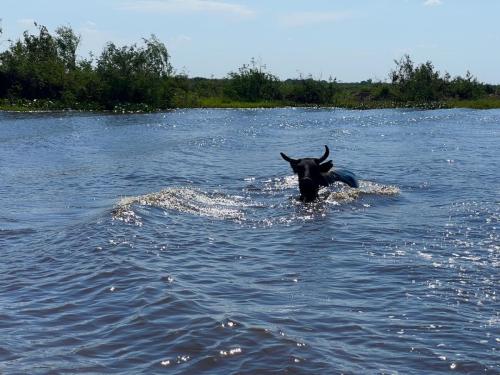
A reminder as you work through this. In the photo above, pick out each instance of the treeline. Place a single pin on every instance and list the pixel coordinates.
(45, 67)
(42, 71)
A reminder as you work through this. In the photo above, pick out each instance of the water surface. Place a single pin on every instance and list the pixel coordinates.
(175, 243)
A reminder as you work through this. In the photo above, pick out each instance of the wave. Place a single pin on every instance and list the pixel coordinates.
(187, 200)
(238, 208)
(336, 193)
(5, 232)
(343, 194)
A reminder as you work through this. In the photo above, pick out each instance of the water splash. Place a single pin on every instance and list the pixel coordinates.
(242, 208)
(336, 193)
(344, 194)
(186, 200)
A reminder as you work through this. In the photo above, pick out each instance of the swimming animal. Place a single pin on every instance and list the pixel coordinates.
(315, 172)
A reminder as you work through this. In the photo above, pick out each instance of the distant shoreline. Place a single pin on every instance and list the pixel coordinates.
(50, 106)
(42, 72)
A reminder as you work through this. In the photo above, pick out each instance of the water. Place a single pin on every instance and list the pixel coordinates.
(175, 243)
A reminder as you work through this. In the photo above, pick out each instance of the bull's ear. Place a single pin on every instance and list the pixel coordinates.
(325, 167)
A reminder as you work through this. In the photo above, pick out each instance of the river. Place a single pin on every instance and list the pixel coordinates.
(175, 243)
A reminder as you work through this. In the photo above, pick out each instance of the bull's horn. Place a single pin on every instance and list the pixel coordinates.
(288, 159)
(325, 155)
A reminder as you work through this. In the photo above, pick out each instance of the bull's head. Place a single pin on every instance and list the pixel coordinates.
(312, 174)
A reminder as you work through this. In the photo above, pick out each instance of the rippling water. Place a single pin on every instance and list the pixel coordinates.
(175, 243)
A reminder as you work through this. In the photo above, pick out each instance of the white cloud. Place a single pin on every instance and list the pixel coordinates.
(176, 6)
(182, 38)
(179, 40)
(89, 28)
(428, 46)
(432, 3)
(90, 24)
(312, 18)
(26, 22)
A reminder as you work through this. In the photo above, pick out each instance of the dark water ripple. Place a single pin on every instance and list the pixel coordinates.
(173, 243)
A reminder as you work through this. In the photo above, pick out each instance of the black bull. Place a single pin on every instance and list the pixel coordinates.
(314, 173)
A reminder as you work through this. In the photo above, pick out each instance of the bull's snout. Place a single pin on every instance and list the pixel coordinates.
(308, 188)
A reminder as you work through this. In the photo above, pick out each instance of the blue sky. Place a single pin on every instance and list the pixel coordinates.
(350, 40)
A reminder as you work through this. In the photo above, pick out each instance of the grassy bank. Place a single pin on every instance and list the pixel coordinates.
(482, 103)
(218, 102)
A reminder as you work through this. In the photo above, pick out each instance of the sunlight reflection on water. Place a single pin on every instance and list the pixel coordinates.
(176, 242)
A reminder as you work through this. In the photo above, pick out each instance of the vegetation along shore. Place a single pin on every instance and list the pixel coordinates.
(41, 71)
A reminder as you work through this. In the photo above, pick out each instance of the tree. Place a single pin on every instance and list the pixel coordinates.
(67, 43)
(133, 74)
(32, 67)
(253, 83)
(466, 87)
(309, 91)
(417, 83)
(156, 58)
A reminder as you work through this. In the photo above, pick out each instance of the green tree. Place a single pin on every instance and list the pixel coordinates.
(309, 91)
(132, 74)
(32, 67)
(253, 83)
(466, 87)
(156, 58)
(417, 83)
(67, 43)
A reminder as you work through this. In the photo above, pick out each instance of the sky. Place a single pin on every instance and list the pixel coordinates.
(350, 40)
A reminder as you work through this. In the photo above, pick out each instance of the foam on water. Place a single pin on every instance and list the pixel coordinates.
(337, 193)
(243, 208)
(344, 194)
(186, 200)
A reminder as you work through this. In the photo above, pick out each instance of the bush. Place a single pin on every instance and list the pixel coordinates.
(252, 83)
(308, 91)
(417, 83)
(466, 88)
(132, 74)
